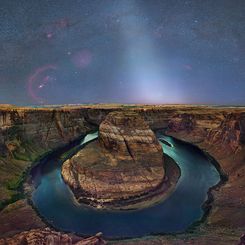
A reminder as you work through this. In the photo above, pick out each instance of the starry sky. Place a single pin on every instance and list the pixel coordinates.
(122, 51)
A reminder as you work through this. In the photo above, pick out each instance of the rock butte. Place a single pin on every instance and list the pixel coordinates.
(126, 162)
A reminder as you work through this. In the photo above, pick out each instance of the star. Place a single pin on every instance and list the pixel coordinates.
(49, 35)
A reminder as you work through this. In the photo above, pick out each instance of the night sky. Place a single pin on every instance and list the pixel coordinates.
(122, 51)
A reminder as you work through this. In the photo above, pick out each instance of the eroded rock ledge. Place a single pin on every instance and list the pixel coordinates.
(48, 236)
(123, 166)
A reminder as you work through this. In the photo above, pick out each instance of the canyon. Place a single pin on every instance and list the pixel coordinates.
(28, 134)
(125, 163)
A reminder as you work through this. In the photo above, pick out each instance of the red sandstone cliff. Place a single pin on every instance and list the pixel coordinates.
(48, 236)
(222, 136)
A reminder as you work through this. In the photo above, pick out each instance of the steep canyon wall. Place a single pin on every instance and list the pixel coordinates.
(28, 133)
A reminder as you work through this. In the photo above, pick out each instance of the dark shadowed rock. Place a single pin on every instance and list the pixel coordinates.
(47, 236)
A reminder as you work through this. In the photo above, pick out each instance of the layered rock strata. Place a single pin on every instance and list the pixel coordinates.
(31, 132)
(224, 140)
(126, 162)
(47, 236)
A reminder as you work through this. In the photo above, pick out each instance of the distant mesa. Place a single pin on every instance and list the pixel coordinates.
(6, 105)
(123, 167)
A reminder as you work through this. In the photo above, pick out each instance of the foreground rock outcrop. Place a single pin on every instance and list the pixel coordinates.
(47, 236)
(127, 162)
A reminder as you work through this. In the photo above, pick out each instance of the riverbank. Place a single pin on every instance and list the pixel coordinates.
(159, 194)
(180, 209)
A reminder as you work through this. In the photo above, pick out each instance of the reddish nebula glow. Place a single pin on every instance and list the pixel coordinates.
(53, 28)
(62, 23)
(82, 58)
(38, 80)
(188, 67)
